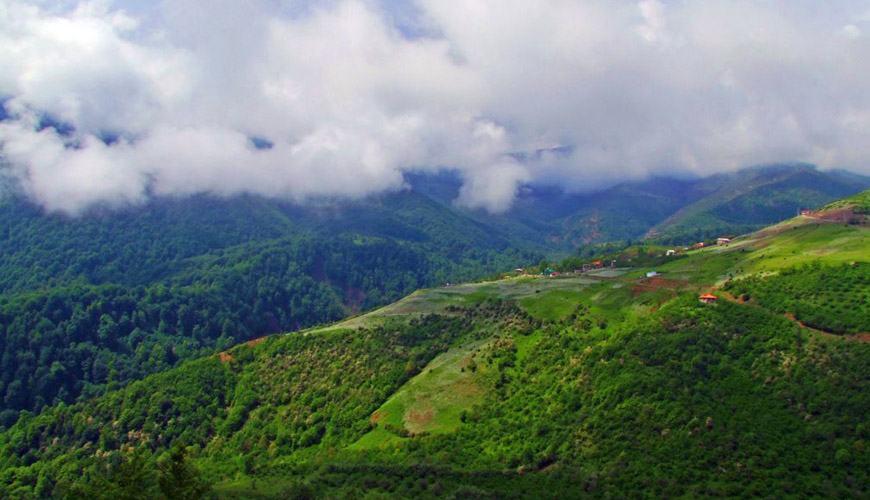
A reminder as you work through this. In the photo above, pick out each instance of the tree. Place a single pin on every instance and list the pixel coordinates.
(130, 479)
(134, 477)
(179, 479)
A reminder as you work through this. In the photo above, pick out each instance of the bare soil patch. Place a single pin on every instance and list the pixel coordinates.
(644, 285)
(255, 341)
(420, 418)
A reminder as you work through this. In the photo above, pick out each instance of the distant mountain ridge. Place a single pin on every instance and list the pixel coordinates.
(543, 218)
(753, 198)
(660, 208)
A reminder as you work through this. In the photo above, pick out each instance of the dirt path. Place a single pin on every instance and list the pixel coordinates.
(857, 337)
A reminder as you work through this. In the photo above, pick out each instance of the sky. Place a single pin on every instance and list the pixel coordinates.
(112, 102)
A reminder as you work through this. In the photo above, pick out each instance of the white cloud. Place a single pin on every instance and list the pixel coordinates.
(653, 12)
(350, 100)
(851, 31)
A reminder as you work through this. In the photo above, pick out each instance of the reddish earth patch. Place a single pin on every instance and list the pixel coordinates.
(800, 323)
(861, 337)
(836, 215)
(354, 298)
(378, 416)
(644, 285)
(226, 357)
(465, 387)
(419, 418)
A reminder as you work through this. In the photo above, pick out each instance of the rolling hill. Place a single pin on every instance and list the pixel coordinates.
(606, 384)
(754, 198)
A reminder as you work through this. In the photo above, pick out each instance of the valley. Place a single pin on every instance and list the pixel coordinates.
(378, 250)
(599, 384)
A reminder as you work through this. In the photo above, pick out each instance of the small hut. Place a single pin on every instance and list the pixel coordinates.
(707, 298)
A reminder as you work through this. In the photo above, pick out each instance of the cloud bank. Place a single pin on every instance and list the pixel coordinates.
(340, 98)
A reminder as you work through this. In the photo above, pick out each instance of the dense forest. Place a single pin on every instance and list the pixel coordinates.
(93, 303)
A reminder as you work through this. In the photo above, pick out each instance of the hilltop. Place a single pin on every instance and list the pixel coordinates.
(754, 198)
(602, 384)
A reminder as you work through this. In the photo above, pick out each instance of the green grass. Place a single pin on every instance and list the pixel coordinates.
(249, 488)
(784, 245)
(553, 305)
(432, 401)
(377, 439)
(525, 344)
(437, 300)
(804, 244)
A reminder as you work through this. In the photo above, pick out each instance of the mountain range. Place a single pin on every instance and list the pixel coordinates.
(614, 382)
(90, 305)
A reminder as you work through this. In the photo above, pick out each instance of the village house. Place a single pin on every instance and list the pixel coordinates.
(707, 298)
(670, 253)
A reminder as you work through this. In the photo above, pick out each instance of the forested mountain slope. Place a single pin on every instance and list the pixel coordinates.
(93, 302)
(608, 384)
(754, 198)
(96, 301)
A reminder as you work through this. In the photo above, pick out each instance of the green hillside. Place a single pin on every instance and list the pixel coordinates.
(606, 385)
(754, 198)
(94, 302)
(860, 203)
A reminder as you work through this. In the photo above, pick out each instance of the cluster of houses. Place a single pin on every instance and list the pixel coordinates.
(700, 244)
(550, 273)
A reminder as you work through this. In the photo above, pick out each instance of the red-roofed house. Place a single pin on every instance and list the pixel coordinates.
(707, 298)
